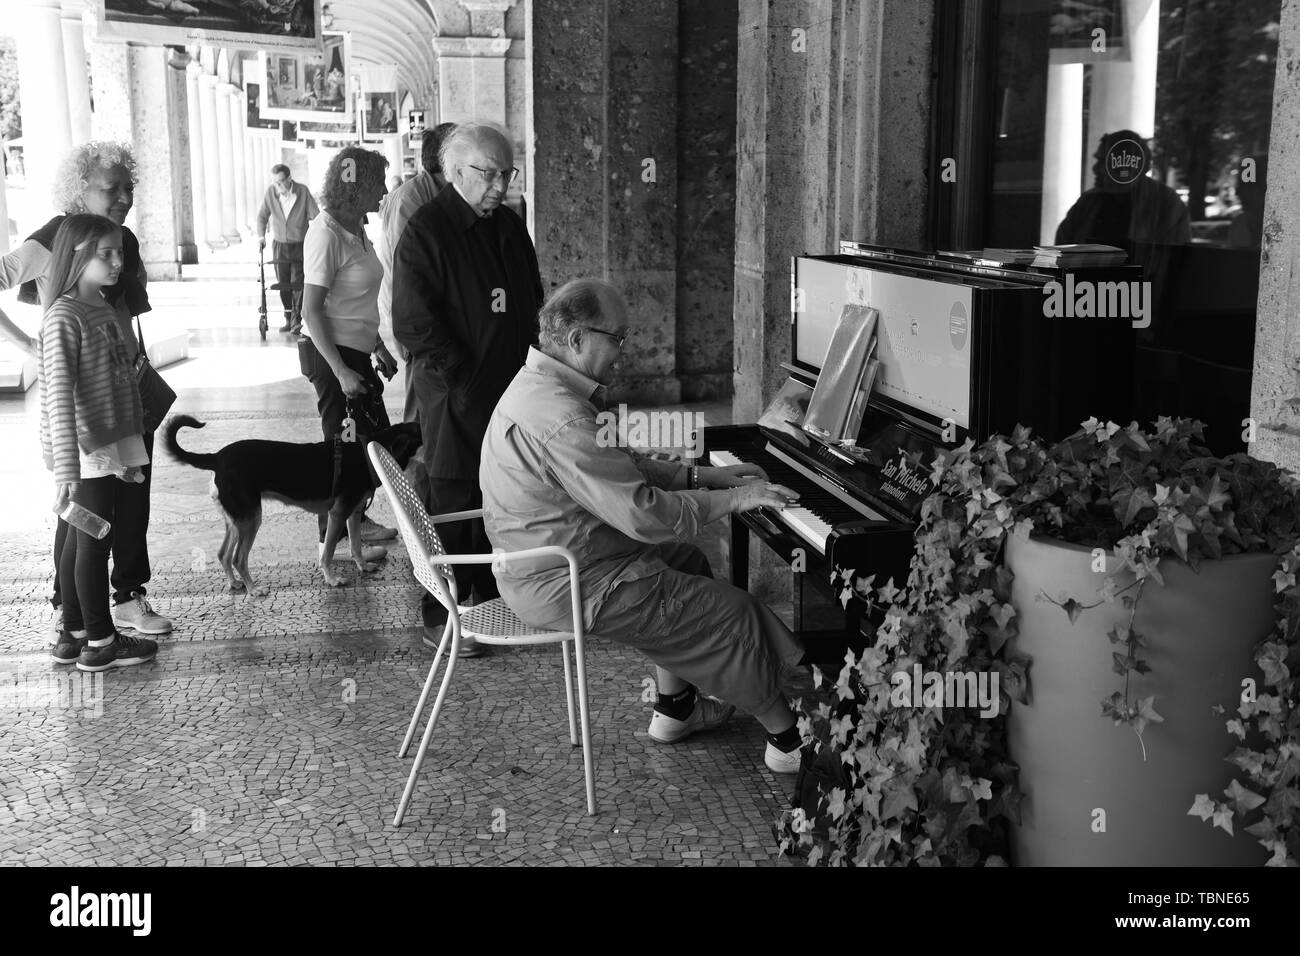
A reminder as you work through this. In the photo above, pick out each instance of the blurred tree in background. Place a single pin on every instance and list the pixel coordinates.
(11, 124)
(1214, 101)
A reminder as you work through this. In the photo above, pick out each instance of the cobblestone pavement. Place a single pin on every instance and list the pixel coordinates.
(266, 731)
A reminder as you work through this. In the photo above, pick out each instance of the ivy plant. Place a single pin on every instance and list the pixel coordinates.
(933, 787)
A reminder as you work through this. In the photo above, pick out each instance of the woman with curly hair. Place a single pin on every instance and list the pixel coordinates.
(340, 307)
(98, 178)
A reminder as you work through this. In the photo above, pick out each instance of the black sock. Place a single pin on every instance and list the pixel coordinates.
(677, 706)
(786, 740)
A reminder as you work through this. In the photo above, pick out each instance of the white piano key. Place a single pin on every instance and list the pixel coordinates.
(803, 522)
(822, 483)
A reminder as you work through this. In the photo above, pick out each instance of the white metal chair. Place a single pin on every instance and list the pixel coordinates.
(490, 623)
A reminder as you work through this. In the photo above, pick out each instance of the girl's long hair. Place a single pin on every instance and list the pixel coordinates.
(75, 244)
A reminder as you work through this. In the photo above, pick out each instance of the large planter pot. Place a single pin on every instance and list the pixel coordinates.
(1078, 770)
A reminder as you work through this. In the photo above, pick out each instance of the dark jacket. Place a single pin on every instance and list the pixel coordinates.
(466, 291)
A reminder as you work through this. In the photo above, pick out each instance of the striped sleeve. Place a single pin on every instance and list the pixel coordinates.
(60, 357)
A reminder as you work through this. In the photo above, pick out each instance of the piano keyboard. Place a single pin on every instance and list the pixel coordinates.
(821, 505)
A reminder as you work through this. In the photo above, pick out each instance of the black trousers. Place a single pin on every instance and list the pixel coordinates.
(330, 400)
(130, 537)
(459, 537)
(83, 560)
(289, 276)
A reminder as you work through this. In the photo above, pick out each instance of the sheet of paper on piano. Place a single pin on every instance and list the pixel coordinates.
(785, 412)
(836, 396)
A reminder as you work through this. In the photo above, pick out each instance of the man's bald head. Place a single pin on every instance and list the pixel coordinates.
(582, 324)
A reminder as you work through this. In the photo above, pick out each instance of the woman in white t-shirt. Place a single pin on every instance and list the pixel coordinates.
(340, 307)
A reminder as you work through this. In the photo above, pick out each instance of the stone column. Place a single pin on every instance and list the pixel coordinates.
(472, 78)
(211, 169)
(605, 166)
(194, 123)
(1276, 381)
(111, 63)
(237, 157)
(43, 90)
(163, 197)
(769, 207)
(875, 192)
(74, 62)
(226, 163)
(252, 179)
(182, 158)
(706, 197)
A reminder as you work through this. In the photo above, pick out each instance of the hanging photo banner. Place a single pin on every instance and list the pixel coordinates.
(331, 131)
(381, 113)
(252, 96)
(311, 87)
(265, 24)
(414, 128)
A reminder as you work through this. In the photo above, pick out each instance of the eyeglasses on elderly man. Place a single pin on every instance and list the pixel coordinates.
(507, 176)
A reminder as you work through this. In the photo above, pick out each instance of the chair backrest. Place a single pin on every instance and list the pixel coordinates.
(418, 532)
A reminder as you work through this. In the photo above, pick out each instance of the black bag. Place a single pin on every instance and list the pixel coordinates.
(307, 357)
(156, 396)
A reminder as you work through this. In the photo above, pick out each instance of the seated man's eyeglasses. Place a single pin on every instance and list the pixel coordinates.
(618, 337)
(490, 175)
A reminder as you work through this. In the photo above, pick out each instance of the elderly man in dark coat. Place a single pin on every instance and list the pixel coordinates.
(466, 292)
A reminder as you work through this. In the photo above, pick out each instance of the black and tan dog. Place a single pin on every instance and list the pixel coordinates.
(245, 472)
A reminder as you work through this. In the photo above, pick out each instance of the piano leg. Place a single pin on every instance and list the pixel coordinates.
(739, 553)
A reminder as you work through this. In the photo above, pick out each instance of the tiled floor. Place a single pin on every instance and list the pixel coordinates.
(267, 729)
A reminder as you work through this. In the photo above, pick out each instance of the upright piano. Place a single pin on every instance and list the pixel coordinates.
(964, 350)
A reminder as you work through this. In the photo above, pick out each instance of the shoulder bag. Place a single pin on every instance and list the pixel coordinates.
(156, 396)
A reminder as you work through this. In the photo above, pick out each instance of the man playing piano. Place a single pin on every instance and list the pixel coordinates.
(549, 478)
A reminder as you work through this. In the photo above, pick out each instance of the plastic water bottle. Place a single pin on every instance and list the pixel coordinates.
(85, 520)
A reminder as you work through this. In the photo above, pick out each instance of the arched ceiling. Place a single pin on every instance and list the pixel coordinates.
(396, 31)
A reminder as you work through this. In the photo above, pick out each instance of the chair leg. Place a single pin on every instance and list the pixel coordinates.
(588, 765)
(424, 741)
(568, 692)
(424, 694)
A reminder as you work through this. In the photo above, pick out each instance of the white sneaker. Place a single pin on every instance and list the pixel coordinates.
(138, 615)
(369, 552)
(709, 713)
(372, 530)
(778, 761)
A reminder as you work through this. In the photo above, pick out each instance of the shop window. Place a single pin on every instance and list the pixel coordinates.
(1142, 124)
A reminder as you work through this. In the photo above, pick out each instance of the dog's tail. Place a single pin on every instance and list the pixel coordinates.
(208, 462)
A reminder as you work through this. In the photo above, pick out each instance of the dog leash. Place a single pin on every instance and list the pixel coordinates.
(348, 421)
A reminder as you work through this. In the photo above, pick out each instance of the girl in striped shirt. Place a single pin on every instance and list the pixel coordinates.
(91, 430)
